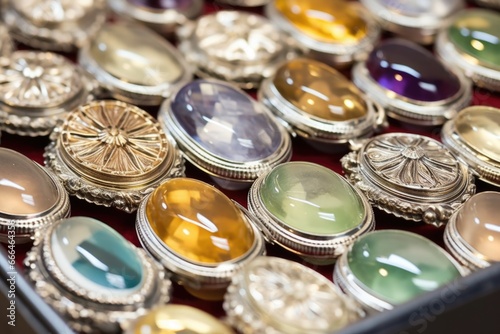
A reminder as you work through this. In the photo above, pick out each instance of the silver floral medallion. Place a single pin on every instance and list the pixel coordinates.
(37, 89)
(238, 47)
(111, 153)
(411, 176)
(60, 25)
(274, 295)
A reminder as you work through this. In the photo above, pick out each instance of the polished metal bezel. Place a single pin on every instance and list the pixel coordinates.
(419, 28)
(39, 103)
(129, 92)
(409, 110)
(422, 201)
(485, 168)
(344, 278)
(292, 305)
(105, 184)
(336, 54)
(314, 248)
(6, 46)
(481, 75)
(62, 34)
(234, 29)
(24, 227)
(228, 174)
(164, 21)
(194, 275)
(90, 311)
(461, 250)
(318, 130)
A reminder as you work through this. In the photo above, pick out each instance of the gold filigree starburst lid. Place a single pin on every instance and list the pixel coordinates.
(115, 140)
(112, 153)
(411, 176)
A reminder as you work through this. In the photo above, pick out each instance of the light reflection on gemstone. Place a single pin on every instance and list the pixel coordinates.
(94, 256)
(311, 199)
(225, 121)
(327, 21)
(25, 188)
(319, 90)
(149, 62)
(411, 71)
(477, 223)
(477, 33)
(479, 128)
(398, 266)
(198, 222)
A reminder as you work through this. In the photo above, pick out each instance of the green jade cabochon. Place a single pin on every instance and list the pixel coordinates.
(477, 33)
(311, 199)
(397, 266)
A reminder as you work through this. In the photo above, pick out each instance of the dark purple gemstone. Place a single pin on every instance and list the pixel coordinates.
(164, 4)
(410, 70)
(225, 121)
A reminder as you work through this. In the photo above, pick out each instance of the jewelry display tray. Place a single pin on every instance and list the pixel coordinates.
(468, 305)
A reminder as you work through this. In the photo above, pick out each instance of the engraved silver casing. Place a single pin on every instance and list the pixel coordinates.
(37, 91)
(60, 25)
(235, 46)
(410, 176)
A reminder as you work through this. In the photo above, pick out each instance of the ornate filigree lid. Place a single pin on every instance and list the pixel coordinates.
(61, 25)
(275, 295)
(411, 176)
(54, 10)
(242, 48)
(411, 161)
(238, 37)
(30, 79)
(112, 153)
(306, 300)
(111, 139)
